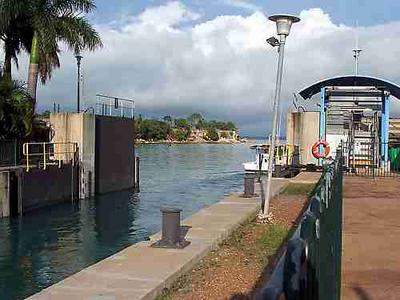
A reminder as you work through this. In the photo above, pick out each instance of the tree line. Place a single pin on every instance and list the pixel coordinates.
(179, 129)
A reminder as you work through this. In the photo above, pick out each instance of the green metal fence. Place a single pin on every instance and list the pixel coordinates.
(10, 153)
(311, 266)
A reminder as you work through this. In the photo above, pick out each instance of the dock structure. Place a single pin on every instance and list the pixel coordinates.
(354, 113)
(142, 272)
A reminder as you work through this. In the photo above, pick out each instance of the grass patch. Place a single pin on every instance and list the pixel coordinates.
(298, 189)
(271, 239)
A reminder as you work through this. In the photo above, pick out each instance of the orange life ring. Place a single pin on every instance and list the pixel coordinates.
(315, 149)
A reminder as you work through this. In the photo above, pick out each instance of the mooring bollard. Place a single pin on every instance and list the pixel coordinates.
(171, 230)
(248, 186)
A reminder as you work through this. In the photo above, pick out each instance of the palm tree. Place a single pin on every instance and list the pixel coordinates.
(15, 110)
(53, 22)
(15, 32)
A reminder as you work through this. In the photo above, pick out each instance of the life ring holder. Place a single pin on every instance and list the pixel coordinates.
(316, 147)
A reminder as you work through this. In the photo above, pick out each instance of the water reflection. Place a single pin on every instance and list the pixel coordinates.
(47, 245)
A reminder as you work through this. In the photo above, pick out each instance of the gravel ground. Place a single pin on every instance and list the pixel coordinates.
(242, 263)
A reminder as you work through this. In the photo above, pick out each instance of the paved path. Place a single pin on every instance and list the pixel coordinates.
(371, 239)
(141, 272)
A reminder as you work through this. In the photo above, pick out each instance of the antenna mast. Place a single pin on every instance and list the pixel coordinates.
(356, 52)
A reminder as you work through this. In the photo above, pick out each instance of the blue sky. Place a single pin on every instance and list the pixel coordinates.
(367, 12)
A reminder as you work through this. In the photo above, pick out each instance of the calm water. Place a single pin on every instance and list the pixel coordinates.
(46, 246)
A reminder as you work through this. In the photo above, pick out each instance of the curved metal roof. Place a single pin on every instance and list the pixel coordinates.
(351, 80)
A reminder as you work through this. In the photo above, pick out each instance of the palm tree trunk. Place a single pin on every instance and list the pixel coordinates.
(33, 72)
(7, 61)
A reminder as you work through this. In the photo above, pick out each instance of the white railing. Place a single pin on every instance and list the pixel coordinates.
(46, 154)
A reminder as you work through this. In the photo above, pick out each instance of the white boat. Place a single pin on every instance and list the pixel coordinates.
(283, 157)
(261, 161)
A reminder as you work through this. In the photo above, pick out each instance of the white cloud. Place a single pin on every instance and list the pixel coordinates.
(221, 67)
(243, 4)
(166, 16)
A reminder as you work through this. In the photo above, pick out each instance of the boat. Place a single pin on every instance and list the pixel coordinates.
(283, 158)
(260, 164)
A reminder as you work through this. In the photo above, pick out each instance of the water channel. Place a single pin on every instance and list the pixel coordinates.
(45, 246)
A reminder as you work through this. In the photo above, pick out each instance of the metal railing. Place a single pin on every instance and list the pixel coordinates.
(310, 268)
(45, 154)
(364, 159)
(10, 153)
(114, 106)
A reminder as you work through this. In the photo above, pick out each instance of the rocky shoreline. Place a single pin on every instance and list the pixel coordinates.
(171, 142)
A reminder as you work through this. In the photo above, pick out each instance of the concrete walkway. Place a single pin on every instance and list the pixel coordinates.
(141, 272)
(371, 239)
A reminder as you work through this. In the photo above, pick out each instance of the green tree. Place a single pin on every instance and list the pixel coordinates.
(212, 134)
(195, 120)
(154, 130)
(15, 32)
(182, 123)
(53, 22)
(168, 119)
(181, 134)
(38, 26)
(15, 110)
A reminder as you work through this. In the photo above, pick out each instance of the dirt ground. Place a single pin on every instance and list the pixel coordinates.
(371, 230)
(239, 267)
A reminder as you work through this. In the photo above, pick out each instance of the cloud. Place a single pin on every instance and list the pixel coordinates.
(242, 4)
(172, 62)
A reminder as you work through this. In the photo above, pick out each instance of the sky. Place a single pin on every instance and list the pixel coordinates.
(180, 57)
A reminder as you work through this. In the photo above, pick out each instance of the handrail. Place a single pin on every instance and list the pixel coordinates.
(48, 152)
(310, 268)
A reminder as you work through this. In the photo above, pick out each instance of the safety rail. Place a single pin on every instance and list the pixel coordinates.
(47, 154)
(310, 268)
(114, 106)
(284, 154)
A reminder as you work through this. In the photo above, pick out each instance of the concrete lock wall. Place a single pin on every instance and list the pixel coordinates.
(78, 128)
(4, 194)
(114, 154)
(40, 187)
(302, 130)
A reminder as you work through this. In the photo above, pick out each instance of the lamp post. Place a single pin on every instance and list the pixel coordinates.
(283, 26)
(78, 96)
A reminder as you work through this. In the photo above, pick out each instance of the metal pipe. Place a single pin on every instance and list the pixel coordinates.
(277, 98)
(78, 96)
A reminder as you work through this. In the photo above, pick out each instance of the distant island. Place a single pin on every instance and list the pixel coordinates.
(193, 129)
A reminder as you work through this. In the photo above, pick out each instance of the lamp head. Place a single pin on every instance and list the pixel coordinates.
(284, 23)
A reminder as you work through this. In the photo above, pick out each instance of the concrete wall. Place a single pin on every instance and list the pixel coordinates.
(302, 130)
(78, 128)
(114, 154)
(4, 194)
(44, 187)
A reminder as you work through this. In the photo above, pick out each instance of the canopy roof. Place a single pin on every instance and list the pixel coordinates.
(351, 80)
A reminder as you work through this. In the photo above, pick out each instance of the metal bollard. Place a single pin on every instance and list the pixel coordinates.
(248, 186)
(171, 230)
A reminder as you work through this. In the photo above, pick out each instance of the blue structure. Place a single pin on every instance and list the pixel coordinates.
(385, 127)
(345, 99)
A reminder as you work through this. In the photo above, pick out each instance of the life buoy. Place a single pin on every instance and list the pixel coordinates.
(315, 149)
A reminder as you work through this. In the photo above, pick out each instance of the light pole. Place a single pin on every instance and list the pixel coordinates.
(78, 96)
(283, 25)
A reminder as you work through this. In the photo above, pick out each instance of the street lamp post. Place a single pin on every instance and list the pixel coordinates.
(78, 96)
(283, 25)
